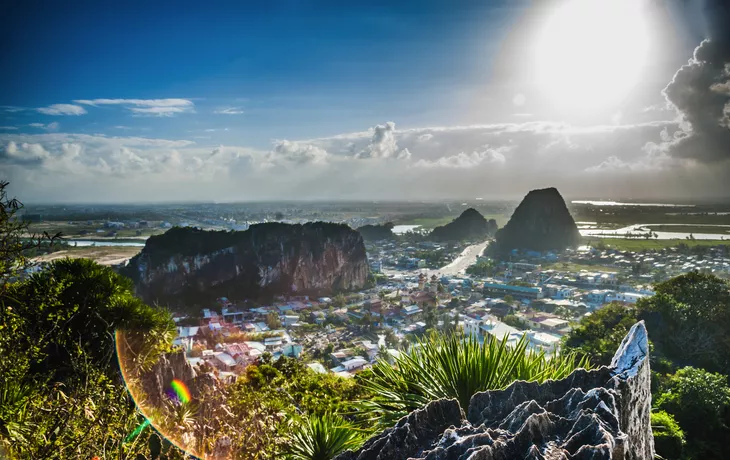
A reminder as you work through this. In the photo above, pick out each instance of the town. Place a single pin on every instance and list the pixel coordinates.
(540, 295)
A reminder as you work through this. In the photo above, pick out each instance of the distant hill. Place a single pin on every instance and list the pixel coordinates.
(377, 232)
(541, 222)
(469, 225)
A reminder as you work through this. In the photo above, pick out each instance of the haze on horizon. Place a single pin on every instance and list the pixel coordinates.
(163, 102)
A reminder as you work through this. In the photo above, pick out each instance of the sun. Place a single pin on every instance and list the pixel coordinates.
(590, 53)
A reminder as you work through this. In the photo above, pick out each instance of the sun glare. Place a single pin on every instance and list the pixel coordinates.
(590, 53)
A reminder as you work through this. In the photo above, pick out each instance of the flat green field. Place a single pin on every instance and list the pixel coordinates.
(74, 230)
(690, 228)
(642, 244)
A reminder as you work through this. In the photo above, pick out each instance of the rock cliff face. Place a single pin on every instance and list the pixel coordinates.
(598, 414)
(541, 222)
(469, 225)
(267, 259)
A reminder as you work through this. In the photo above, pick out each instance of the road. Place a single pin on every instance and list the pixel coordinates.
(467, 257)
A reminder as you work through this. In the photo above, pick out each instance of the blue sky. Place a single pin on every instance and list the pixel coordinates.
(294, 68)
(358, 100)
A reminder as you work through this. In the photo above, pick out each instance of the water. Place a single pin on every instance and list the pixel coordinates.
(84, 243)
(617, 203)
(401, 229)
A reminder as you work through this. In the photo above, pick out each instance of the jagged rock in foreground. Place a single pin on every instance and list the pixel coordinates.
(541, 222)
(267, 259)
(598, 414)
(469, 225)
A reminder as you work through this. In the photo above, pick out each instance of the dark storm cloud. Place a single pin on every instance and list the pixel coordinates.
(700, 91)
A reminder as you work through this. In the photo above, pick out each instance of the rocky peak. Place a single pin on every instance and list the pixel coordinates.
(598, 414)
(541, 222)
(469, 225)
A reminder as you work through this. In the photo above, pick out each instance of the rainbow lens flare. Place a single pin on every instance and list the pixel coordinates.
(181, 390)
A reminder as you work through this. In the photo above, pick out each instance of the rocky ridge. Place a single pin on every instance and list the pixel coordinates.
(598, 414)
(541, 222)
(265, 260)
(469, 225)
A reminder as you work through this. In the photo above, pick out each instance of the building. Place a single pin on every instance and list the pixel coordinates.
(520, 292)
(626, 297)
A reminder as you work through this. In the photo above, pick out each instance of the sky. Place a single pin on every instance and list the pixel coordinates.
(298, 100)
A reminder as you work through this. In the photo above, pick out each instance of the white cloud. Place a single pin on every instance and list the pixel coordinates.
(470, 160)
(297, 152)
(146, 107)
(62, 109)
(157, 111)
(9, 128)
(138, 102)
(48, 127)
(229, 111)
(498, 160)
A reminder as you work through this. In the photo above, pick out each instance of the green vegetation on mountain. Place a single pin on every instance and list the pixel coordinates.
(377, 232)
(470, 225)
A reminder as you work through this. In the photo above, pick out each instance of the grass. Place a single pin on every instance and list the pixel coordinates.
(643, 244)
(576, 267)
(690, 228)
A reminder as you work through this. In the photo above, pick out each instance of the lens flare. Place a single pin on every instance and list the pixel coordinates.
(181, 390)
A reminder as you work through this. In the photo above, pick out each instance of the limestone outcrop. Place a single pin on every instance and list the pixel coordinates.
(197, 266)
(541, 222)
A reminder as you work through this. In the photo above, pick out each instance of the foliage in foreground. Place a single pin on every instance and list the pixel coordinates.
(700, 403)
(322, 437)
(62, 395)
(455, 366)
(668, 436)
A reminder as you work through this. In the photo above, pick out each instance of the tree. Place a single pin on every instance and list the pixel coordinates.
(700, 402)
(273, 320)
(16, 238)
(669, 438)
(58, 359)
(508, 299)
(600, 334)
(688, 319)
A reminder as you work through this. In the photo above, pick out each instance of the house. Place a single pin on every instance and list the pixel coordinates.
(543, 341)
(597, 296)
(232, 315)
(288, 320)
(626, 297)
(412, 313)
(355, 364)
(520, 292)
(223, 361)
(272, 343)
(317, 367)
(371, 349)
